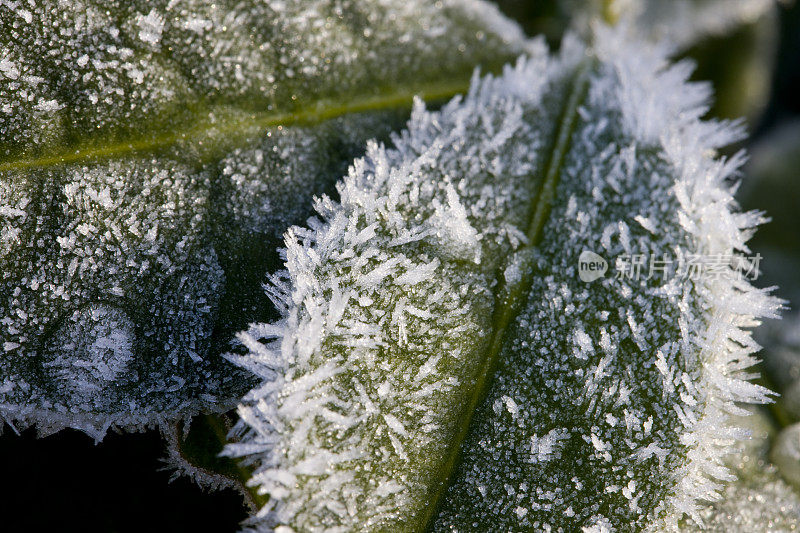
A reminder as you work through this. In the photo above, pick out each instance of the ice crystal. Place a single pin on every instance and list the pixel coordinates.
(146, 178)
(454, 254)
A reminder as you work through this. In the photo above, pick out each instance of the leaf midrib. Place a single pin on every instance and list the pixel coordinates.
(319, 111)
(511, 298)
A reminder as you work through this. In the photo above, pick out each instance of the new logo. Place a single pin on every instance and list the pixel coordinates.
(591, 266)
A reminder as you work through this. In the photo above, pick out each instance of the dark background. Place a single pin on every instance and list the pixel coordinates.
(784, 103)
(65, 482)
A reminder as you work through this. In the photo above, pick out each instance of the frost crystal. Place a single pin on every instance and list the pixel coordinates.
(142, 195)
(608, 404)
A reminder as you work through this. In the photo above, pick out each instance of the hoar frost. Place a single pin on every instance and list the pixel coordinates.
(609, 401)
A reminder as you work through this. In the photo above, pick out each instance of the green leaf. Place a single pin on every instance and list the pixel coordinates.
(151, 154)
(441, 363)
(193, 448)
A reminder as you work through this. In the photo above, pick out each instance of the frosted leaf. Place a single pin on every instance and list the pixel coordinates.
(639, 370)
(351, 432)
(151, 155)
(138, 69)
(445, 282)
